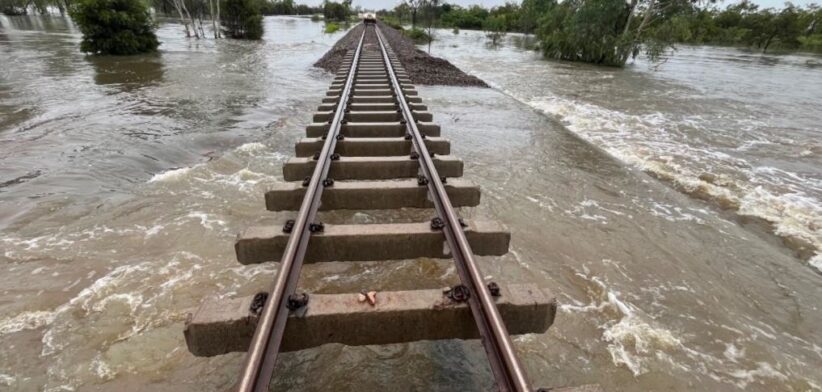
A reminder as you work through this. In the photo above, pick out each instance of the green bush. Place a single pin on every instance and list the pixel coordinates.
(586, 30)
(494, 27)
(391, 21)
(336, 11)
(114, 27)
(13, 7)
(331, 27)
(241, 19)
(418, 35)
(812, 43)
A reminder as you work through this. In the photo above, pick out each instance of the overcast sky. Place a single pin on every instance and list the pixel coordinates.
(380, 4)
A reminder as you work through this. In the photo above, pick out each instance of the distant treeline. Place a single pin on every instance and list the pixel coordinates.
(287, 7)
(612, 31)
(745, 24)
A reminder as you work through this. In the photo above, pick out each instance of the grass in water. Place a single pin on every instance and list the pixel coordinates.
(331, 27)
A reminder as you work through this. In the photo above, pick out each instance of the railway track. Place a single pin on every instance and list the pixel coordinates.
(372, 146)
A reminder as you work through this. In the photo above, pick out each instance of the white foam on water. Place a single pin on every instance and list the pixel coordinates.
(88, 335)
(206, 220)
(26, 321)
(172, 175)
(632, 339)
(794, 214)
(763, 371)
(154, 230)
(652, 142)
(7, 380)
(245, 179)
(638, 343)
(816, 262)
(101, 369)
(252, 147)
(733, 353)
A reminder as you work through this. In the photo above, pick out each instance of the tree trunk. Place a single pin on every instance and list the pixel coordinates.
(213, 21)
(219, 31)
(182, 17)
(200, 23)
(630, 18)
(767, 43)
(647, 17)
(190, 19)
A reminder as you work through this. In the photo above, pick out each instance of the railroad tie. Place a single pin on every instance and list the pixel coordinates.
(372, 145)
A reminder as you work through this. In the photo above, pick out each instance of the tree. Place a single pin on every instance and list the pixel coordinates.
(431, 8)
(591, 31)
(13, 7)
(116, 27)
(531, 11)
(21, 7)
(494, 28)
(336, 11)
(413, 6)
(241, 19)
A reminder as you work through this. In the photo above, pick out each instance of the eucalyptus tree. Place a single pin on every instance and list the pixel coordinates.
(494, 27)
(191, 14)
(607, 32)
(413, 6)
(242, 19)
(22, 7)
(115, 27)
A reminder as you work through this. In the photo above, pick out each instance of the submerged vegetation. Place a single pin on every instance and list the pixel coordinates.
(611, 32)
(242, 19)
(115, 27)
(418, 35)
(288, 7)
(331, 27)
(608, 32)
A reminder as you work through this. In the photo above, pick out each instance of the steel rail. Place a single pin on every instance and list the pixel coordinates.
(505, 365)
(258, 367)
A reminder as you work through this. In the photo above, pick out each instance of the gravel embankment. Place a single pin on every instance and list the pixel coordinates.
(420, 66)
(332, 59)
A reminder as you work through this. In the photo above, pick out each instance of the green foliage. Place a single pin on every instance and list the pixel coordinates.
(418, 35)
(331, 27)
(470, 18)
(610, 32)
(812, 43)
(531, 11)
(454, 16)
(13, 7)
(494, 27)
(287, 7)
(114, 27)
(22, 7)
(337, 12)
(391, 21)
(744, 24)
(241, 19)
(590, 31)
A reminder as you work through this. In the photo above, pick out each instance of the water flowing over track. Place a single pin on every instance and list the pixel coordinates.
(372, 129)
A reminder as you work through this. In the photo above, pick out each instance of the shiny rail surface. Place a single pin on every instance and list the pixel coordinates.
(265, 345)
(503, 360)
(266, 342)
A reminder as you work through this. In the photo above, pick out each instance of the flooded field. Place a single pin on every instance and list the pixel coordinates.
(125, 181)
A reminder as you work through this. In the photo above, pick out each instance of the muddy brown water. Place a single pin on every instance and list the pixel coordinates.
(124, 181)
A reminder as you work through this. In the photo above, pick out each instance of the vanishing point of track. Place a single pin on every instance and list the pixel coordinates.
(371, 146)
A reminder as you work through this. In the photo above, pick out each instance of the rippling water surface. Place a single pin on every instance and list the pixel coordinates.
(124, 181)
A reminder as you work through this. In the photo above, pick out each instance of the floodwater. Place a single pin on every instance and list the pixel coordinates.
(124, 181)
